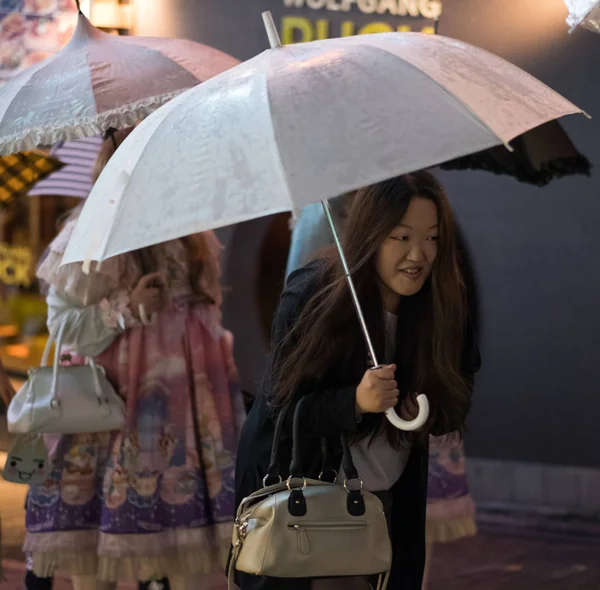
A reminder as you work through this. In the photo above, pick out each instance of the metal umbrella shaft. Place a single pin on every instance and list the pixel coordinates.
(359, 312)
(391, 414)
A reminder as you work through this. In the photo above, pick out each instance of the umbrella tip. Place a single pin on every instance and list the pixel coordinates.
(272, 33)
(78, 6)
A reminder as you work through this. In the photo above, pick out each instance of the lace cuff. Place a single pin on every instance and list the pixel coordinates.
(116, 312)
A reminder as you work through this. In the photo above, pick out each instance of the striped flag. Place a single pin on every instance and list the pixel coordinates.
(75, 179)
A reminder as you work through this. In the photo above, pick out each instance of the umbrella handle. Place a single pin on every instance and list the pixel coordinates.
(411, 425)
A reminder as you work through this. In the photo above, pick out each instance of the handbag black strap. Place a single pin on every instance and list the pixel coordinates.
(328, 471)
(274, 473)
(296, 468)
(297, 502)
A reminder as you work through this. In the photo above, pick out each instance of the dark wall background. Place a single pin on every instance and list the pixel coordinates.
(536, 251)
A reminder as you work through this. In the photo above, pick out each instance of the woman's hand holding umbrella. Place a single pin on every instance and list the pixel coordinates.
(378, 392)
(147, 297)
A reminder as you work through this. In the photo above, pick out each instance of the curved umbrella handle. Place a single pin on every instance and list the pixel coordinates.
(410, 425)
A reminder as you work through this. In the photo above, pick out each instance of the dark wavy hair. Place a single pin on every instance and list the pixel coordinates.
(431, 323)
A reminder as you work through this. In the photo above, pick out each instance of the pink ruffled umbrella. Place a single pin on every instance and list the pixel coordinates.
(97, 82)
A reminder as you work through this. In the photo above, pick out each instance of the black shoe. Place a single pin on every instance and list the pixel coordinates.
(32, 582)
(154, 585)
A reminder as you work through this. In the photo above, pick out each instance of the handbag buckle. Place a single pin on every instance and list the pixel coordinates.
(358, 479)
(289, 480)
(266, 479)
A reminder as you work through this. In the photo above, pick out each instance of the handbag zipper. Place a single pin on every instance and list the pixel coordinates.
(302, 528)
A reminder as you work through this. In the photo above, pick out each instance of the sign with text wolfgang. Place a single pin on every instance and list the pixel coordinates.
(307, 20)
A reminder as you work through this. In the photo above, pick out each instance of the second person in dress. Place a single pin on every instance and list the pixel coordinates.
(154, 500)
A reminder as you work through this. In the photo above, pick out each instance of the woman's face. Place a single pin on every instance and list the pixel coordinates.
(405, 259)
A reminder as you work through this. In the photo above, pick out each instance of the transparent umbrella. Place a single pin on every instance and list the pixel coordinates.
(300, 124)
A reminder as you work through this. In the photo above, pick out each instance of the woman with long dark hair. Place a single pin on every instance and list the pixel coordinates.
(400, 242)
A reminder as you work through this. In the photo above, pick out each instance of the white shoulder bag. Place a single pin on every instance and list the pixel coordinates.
(65, 399)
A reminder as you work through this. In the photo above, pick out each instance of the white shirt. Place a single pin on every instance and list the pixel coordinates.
(379, 465)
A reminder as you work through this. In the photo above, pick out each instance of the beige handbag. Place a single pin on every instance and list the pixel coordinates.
(65, 400)
(306, 528)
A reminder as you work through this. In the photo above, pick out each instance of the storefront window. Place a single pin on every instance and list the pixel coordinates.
(27, 225)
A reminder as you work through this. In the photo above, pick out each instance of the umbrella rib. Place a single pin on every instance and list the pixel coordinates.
(282, 169)
(103, 241)
(106, 236)
(89, 75)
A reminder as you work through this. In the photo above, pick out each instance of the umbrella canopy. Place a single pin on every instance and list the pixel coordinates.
(302, 123)
(305, 123)
(584, 13)
(19, 173)
(538, 157)
(75, 179)
(98, 81)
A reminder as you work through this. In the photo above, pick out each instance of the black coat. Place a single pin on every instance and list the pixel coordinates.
(327, 411)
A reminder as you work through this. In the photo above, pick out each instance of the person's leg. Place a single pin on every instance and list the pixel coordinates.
(91, 583)
(33, 582)
(428, 554)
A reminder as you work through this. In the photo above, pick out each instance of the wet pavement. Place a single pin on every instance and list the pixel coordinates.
(493, 562)
(485, 562)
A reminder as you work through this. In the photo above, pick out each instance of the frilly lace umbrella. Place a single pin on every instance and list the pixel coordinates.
(99, 81)
(584, 13)
(300, 124)
(538, 157)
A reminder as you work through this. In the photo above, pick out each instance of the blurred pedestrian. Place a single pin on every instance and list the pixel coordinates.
(7, 391)
(450, 507)
(154, 500)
